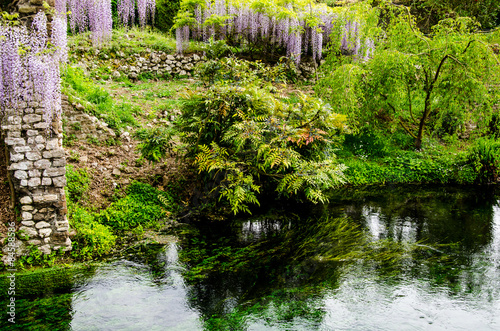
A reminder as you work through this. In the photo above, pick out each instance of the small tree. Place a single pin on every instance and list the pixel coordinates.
(415, 81)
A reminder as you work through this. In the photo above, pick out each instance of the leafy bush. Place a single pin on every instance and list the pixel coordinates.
(92, 239)
(430, 12)
(240, 131)
(143, 205)
(232, 71)
(78, 181)
(484, 157)
(155, 143)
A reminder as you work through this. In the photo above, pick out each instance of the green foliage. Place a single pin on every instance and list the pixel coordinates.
(92, 239)
(127, 41)
(239, 129)
(415, 81)
(35, 257)
(165, 13)
(430, 12)
(78, 181)
(215, 49)
(232, 71)
(156, 143)
(411, 167)
(143, 205)
(484, 157)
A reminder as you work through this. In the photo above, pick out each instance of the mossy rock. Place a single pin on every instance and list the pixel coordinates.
(44, 281)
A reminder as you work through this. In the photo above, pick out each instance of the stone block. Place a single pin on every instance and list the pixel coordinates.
(40, 139)
(21, 174)
(30, 232)
(28, 223)
(32, 118)
(16, 157)
(42, 164)
(25, 165)
(54, 153)
(59, 181)
(11, 127)
(24, 182)
(27, 208)
(26, 200)
(26, 216)
(22, 149)
(41, 125)
(44, 233)
(61, 162)
(33, 182)
(54, 172)
(13, 134)
(46, 181)
(14, 120)
(48, 198)
(15, 141)
(31, 133)
(52, 144)
(45, 249)
(34, 173)
(33, 156)
(35, 242)
(42, 225)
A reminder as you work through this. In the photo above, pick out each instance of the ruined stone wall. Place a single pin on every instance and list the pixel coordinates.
(37, 171)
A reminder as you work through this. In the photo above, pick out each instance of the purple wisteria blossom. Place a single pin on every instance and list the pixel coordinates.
(127, 13)
(29, 65)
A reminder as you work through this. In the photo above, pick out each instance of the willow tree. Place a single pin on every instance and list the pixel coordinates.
(415, 81)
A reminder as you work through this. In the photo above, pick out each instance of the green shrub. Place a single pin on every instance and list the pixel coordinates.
(78, 181)
(156, 143)
(143, 205)
(244, 137)
(484, 157)
(92, 239)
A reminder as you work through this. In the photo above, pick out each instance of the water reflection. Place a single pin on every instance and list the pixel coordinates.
(125, 296)
(283, 288)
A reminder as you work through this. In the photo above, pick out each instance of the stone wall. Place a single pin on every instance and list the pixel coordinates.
(37, 171)
(159, 63)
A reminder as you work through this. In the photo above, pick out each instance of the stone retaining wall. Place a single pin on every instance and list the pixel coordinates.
(159, 63)
(37, 171)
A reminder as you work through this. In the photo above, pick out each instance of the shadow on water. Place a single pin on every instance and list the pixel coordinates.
(376, 258)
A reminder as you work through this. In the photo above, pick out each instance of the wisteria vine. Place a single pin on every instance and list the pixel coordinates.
(298, 28)
(90, 15)
(29, 64)
(127, 11)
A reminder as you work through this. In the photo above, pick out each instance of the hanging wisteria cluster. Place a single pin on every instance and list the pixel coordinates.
(298, 27)
(91, 15)
(127, 11)
(29, 64)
